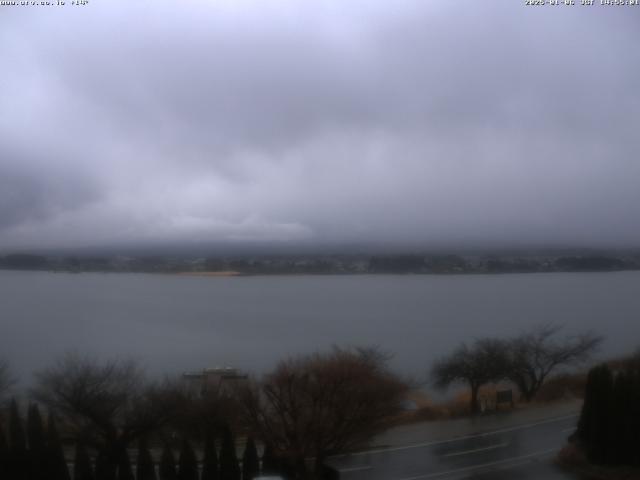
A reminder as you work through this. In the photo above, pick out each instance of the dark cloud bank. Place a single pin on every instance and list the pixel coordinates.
(319, 123)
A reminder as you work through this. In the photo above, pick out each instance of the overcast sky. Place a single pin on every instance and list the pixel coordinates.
(319, 122)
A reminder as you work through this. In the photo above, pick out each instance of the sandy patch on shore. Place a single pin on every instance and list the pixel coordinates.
(226, 273)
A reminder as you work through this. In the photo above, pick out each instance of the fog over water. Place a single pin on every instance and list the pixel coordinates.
(175, 323)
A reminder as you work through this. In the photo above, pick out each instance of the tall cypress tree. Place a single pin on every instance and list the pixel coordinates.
(82, 464)
(634, 417)
(35, 429)
(210, 459)
(124, 466)
(250, 461)
(168, 464)
(18, 455)
(622, 435)
(229, 468)
(609, 426)
(270, 465)
(105, 469)
(145, 470)
(4, 455)
(37, 445)
(587, 414)
(594, 428)
(602, 441)
(188, 463)
(56, 463)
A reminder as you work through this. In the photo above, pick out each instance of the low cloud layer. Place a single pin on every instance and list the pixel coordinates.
(321, 122)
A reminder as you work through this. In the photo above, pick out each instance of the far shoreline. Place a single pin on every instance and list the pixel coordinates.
(234, 273)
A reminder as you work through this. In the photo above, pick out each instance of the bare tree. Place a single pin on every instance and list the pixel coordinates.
(107, 404)
(535, 354)
(485, 361)
(323, 404)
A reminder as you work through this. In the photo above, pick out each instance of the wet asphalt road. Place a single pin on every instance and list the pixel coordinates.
(518, 452)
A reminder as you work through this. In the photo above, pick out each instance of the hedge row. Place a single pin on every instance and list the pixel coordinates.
(36, 453)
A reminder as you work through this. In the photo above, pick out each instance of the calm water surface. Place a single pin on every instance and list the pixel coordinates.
(175, 323)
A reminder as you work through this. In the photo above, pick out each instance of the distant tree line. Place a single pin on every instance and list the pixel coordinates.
(24, 261)
(327, 264)
(609, 426)
(526, 361)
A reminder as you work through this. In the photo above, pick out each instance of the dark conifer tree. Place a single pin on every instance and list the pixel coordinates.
(250, 461)
(287, 468)
(56, 463)
(168, 464)
(229, 468)
(634, 418)
(4, 455)
(270, 464)
(621, 435)
(609, 426)
(145, 470)
(37, 445)
(125, 471)
(210, 459)
(105, 469)
(188, 463)
(35, 429)
(18, 455)
(586, 421)
(82, 464)
(602, 441)
(594, 429)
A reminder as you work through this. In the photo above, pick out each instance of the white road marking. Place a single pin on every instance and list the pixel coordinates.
(483, 465)
(466, 437)
(476, 450)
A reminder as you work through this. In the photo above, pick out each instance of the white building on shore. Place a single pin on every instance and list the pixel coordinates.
(216, 379)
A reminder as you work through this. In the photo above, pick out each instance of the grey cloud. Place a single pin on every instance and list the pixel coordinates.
(21, 198)
(415, 122)
(34, 193)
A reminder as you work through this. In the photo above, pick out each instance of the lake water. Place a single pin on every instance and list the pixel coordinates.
(174, 323)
